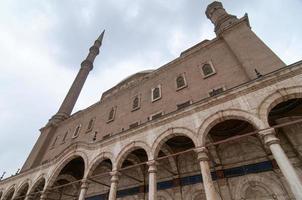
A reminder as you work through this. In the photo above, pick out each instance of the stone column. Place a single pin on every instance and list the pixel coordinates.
(43, 196)
(113, 186)
(152, 180)
(283, 162)
(203, 159)
(84, 188)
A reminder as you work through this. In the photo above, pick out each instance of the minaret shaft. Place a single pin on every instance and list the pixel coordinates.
(77, 85)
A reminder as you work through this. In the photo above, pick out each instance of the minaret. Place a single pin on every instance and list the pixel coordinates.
(77, 85)
(249, 50)
(219, 17)
(36, 155)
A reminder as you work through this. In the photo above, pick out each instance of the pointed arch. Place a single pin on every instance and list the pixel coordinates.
(275, 98)
(223, 115)
(170, 133)
(128, 149)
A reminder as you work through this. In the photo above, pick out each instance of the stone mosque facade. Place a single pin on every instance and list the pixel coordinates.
(223, 121)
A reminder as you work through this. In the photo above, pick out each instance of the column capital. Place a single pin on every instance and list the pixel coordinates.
(84, 184)
(152, 166)
(269, 136)
(202, 154)
(115, 176)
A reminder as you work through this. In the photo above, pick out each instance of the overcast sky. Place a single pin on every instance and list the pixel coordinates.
(42, 44)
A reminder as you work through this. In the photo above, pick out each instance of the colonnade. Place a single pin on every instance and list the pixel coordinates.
(270, 140)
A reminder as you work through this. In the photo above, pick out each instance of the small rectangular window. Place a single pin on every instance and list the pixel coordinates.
(133, 125)
(155, 116)
(183, 105)
(216, 91)
(106, 136)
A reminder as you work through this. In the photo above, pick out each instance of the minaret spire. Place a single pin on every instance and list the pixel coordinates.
(77, 85)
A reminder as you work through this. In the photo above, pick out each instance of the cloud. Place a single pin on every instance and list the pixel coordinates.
(44, 42)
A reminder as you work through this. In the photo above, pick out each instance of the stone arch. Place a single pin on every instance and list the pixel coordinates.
(223, 115)
(96, 161)
(170, 133)
(10, 192)
(36, 183)
(275, 98)
(268, 182)
(23, 185)
(128, 149)
(63, 163)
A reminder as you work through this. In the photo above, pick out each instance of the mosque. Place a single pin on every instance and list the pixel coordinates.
(223, 121)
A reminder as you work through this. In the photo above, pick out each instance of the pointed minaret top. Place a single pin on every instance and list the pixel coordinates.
(100, 38)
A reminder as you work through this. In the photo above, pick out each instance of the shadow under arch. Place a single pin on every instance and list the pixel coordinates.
(135, 145)
(263, 182)
(22, 190)
(37, 187)
(170, 133)
(96, 161)
(276, 97)
(8, 195)
(231, 114)
(66, 159)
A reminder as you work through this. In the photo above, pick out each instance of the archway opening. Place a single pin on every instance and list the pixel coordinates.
(258, 192)
(133, 175)
(177, 165)
(21, 194)
(37, 189)
(9, 195)
(290, 135)
(99, 180)
(68, 182)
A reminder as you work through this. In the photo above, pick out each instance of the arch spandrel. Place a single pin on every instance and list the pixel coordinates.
(170, 133)
(128, 148)
(97, 160)
(223, 115)
(275, 98)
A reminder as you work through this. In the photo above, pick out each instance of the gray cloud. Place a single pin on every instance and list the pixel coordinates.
(42, 44)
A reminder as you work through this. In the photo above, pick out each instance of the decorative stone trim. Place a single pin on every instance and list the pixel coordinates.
(269, 136)
(202, 154)
(152, 166)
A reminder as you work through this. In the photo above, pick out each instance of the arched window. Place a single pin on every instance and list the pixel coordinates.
(136, 103)
(64, 137)
(180, 81)
(111, 114)
(54, 142)
(156, 93)
(90, 125)
(76, 131)
(207, 70)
